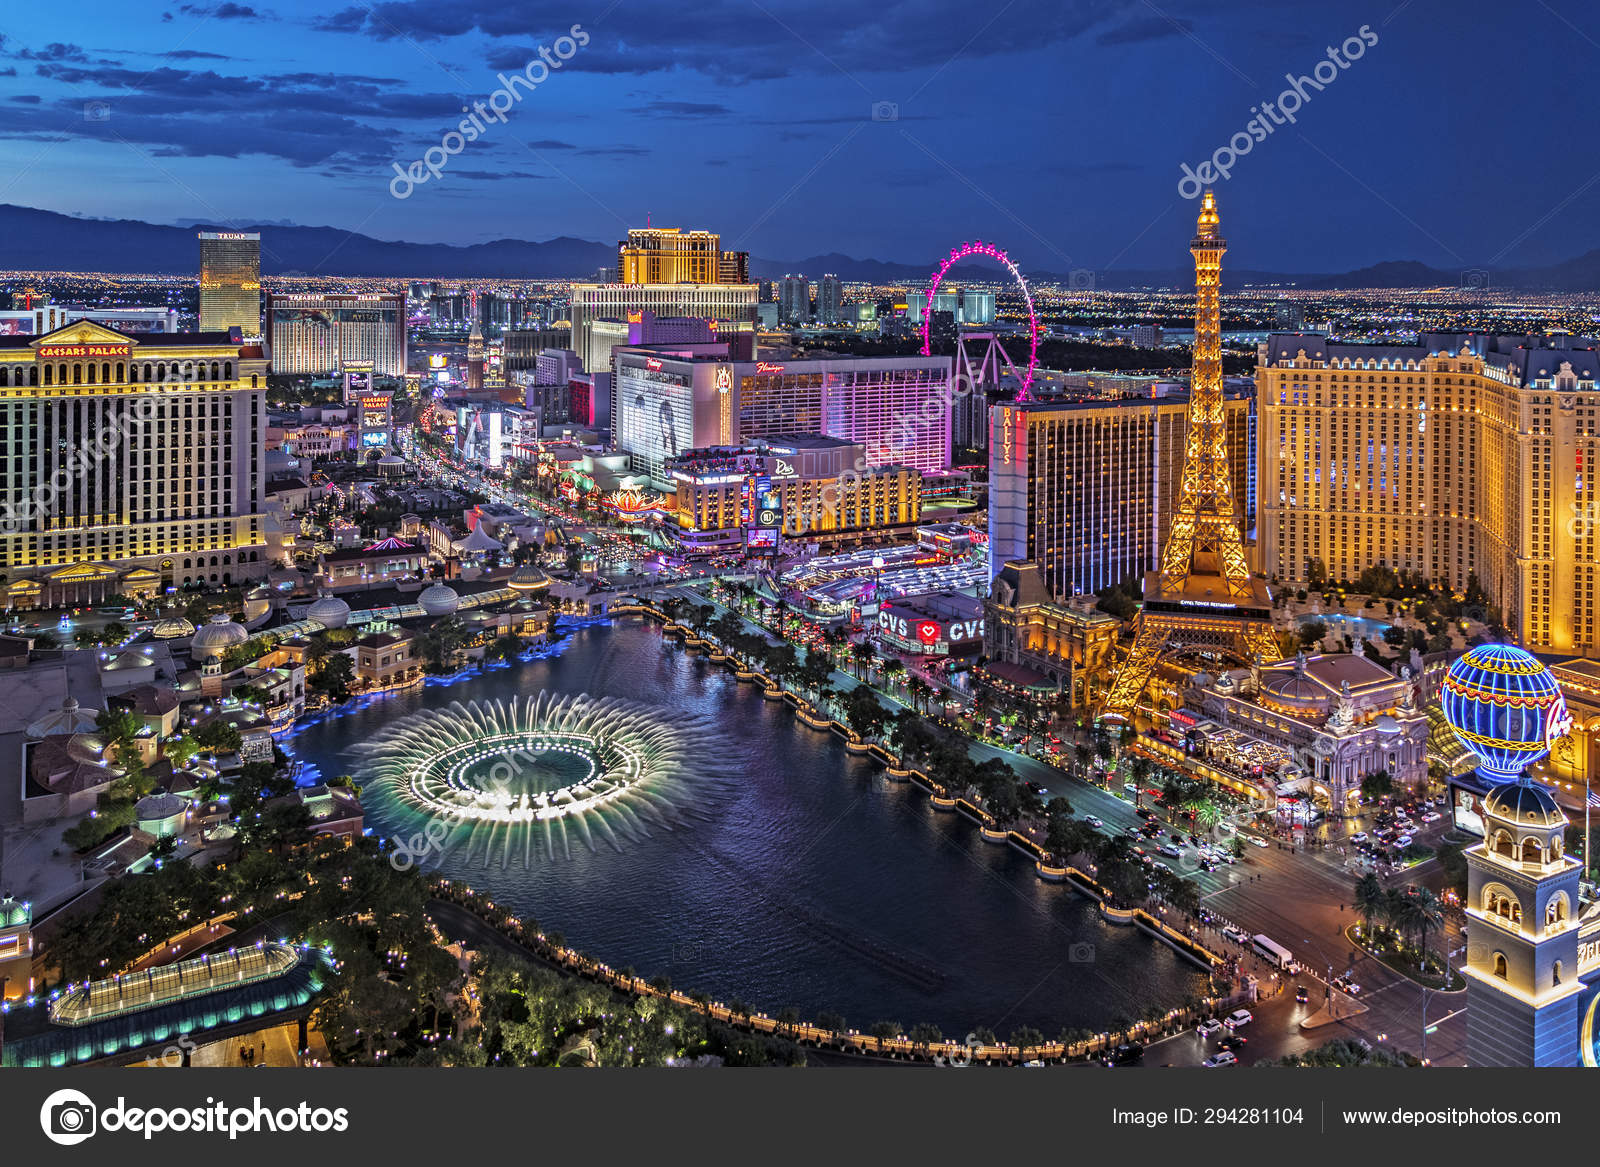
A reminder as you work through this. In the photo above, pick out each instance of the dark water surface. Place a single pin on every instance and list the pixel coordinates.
(801, 876)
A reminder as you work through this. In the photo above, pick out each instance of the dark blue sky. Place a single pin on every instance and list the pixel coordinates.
(1463, 137)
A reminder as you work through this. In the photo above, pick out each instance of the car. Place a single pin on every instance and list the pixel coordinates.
(1237, 935)
(1346, 985)
(1170, 851)
(1237, 1018)
(1131, 787)
(1226, 828)
(1125, 1054)
(1234, 1041)
(1224, 1058)
(1432, 816)
(1403, 841)
(1256, 840)
(1300, 994)
(1176, 838)
(1359, 837)
(1208, 1027)
(1093, 821)
(1161, 867)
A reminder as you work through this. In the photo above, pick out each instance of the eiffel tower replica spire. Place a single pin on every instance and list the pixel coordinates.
(1203, 597)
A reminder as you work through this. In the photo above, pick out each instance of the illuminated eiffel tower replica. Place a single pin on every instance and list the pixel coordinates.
(1204, 596)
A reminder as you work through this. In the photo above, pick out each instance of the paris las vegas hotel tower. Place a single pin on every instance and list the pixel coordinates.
(1460, 455)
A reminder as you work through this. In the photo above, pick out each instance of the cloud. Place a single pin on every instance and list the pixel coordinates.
(615, 152)
(681, 109)
(493, 175)
(1144, 28)
(726, 39)
(56, 51)
(227, 11)
(550, 144)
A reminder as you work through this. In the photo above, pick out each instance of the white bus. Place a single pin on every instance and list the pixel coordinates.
(1268, 949)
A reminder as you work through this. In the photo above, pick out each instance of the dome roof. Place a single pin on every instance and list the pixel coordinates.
(175, 629)
(217, 635)
(329, 611)
(1524, 802)
(1504, 705)
(71, 718)
(1294, 687)
(159, 806)
(257, 603)
(528, 578)
(439, 600)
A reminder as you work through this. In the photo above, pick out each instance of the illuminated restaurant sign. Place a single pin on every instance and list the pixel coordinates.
(52, 351)
(764, 367)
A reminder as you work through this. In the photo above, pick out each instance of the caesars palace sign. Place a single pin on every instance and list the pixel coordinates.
(51, 352)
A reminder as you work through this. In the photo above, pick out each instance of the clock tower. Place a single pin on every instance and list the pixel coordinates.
(1522, 938)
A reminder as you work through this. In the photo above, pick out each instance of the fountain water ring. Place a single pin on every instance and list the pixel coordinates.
(489, 773)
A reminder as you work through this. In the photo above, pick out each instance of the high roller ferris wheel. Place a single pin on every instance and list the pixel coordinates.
(989, 251)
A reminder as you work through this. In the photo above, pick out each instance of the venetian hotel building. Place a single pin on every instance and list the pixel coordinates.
(1460, 455)
(129, 463)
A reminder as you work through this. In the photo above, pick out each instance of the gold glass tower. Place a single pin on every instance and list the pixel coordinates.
(1204, 596)
(230, 281)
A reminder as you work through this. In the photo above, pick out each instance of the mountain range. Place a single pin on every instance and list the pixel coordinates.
(37, 240)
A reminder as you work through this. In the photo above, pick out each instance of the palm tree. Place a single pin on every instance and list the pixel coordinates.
(1207, 813)
(861, 653)
(1371, 900)
(920, 691)
(1418, 911)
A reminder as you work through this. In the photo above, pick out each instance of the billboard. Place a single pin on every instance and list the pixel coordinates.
(769, 504)
(762, 539)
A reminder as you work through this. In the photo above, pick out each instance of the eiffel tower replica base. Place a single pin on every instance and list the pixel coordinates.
(1204, 617)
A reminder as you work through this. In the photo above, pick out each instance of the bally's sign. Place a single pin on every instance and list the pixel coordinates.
(55, 351)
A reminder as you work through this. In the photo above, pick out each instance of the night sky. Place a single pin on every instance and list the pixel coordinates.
(889, 129)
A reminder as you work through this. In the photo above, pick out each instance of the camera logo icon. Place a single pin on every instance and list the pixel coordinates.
(1081, 953)
(885, 111)
(68, 1117)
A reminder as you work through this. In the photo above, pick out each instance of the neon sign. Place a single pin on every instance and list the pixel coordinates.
(764, 367)
(85, 350)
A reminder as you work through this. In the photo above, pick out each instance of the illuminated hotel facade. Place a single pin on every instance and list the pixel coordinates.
(733, 304)
(1460, 456)
(1085, 490)
(230, 281)
(669, 255)
(807, 487)
(895, 408)
(321, 333)
(129, 463)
